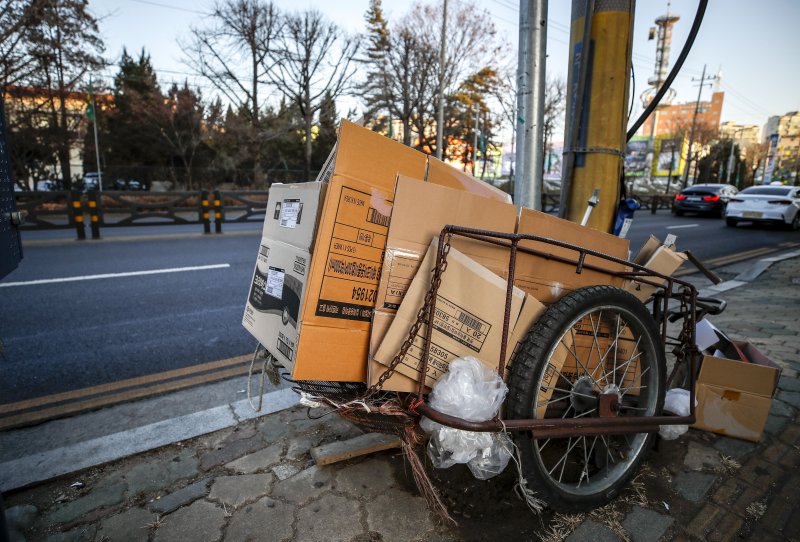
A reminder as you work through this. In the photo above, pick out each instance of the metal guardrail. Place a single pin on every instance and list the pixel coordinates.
(114, 209)
(239, 206)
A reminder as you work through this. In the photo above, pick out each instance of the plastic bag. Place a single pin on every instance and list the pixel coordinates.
(471, 391)
(676, 401)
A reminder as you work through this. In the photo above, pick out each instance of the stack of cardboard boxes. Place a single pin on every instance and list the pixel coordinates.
(344, 264)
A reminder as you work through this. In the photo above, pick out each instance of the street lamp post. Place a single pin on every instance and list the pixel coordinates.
(730, 156)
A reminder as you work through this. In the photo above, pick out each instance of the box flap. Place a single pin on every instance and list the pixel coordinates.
(647, 250)
(738, 376)
(292, 213)
(368, 156)
(444, 174)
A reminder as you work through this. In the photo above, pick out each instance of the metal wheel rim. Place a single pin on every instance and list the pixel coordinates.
(636, 442)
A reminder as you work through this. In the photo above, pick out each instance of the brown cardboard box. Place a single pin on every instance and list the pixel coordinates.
(546, 279)
(658, 258)
(348, 254)
(470, 310)
(272, 311)
(420, 212)
(734, 397)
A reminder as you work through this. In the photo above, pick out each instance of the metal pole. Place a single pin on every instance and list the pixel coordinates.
(440, 112)
(691, 131)
(530, 103)
(475, 145)
(96, 145)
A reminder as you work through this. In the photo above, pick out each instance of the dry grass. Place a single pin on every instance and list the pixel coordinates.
(756, 509)
(727, 465)
(155, 524)
(560, 527)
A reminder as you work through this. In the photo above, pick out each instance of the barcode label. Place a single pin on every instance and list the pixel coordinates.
(285, 349)
(275, 279)
(377, 218)
(470, 321)
(263, 251)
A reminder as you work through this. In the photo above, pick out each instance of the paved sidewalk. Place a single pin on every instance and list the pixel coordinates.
(256, 481)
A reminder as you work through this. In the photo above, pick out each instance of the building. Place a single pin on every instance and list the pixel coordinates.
(744, 134)
(787, 155)
(676, 118)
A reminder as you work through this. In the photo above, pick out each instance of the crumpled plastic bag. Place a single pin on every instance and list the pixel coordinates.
(676, 401)
(471, 391)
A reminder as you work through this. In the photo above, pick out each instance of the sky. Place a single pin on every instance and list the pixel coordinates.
(752, 45)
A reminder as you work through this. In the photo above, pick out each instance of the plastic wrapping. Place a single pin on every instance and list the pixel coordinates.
(676, 401)
(471, 391)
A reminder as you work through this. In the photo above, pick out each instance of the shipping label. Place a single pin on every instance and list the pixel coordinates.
(353, 264)
(290, 212)
(275, 278)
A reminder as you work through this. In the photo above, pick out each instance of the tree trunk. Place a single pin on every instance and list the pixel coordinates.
(406, 131)
(308, 149)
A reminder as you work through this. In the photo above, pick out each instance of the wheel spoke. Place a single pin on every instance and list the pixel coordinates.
(575, 353)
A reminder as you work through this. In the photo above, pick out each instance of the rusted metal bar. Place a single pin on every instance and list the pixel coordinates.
(559, 427)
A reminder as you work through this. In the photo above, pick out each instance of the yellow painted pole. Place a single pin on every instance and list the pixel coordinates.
(598, 148)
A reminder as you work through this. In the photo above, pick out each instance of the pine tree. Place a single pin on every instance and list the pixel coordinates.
(377, 91)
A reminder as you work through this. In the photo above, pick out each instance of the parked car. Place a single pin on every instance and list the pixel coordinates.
(128, 184)
(48, 185)
(766, 204)
(703, 198)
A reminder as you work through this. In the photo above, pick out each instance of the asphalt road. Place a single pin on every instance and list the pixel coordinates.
(61, 336)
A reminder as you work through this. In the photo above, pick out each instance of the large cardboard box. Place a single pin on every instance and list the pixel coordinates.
(470, 309)
(734, 397)
(273, 311)
(548, 279)
(420, 212)
(446, 175)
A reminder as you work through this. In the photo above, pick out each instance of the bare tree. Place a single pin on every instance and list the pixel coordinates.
(16, 19)
(236, 51)
(316, 58)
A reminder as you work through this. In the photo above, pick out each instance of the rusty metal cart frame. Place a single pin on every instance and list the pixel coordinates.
(401, 415)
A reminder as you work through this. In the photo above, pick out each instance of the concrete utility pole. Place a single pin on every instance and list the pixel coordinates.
(529, 160)
(694, 121)
(440, 112)
(601, 40)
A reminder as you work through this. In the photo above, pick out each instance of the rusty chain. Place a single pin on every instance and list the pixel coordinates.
(436, 280)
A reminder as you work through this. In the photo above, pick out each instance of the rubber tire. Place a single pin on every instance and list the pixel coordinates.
(678, 213)
(731, 222)
(532, 359)
(794, 225)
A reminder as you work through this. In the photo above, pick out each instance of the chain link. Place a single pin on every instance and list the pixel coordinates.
(436, 280)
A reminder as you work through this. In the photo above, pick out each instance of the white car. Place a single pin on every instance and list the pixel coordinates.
(768, 204)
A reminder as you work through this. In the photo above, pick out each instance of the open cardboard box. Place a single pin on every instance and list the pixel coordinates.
(734, 397)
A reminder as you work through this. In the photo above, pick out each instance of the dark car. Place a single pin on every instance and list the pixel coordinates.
(710, 199)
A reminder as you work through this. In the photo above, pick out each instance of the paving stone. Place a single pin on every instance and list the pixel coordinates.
(155, 475)
(284, 471)
(699, 457)
(232, 448)
(85, 533)
(130, 526)
(367, 478)
(779, 408)
(591, 530)
(257, 461)
(21, 516)
(398, 515)
(775, 424)
(306, 485)
(274, 428)
(790, 397)
(305, 424)
(761, 474)
(176, 499)
(14, 535)
(789, 383)
(300, 446)
(266, 515)
(646, 525)
(714, 523)
(339, 428)
(734, 447)
(693, 485)
(110, 495)
(199, 521)
(341, 519)
(237, 490)
(736, 495)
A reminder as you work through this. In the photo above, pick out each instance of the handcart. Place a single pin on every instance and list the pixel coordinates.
(586, 389)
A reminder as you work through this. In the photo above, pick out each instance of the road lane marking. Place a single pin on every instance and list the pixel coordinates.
(122, 384)
(116, 275)
(682, 226)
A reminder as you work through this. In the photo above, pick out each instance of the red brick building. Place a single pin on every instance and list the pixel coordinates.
(672, 119)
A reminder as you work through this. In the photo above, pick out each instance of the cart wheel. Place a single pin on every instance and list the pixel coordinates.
(593, 342)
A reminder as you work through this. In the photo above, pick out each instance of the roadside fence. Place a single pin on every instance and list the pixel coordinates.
(118, 209)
